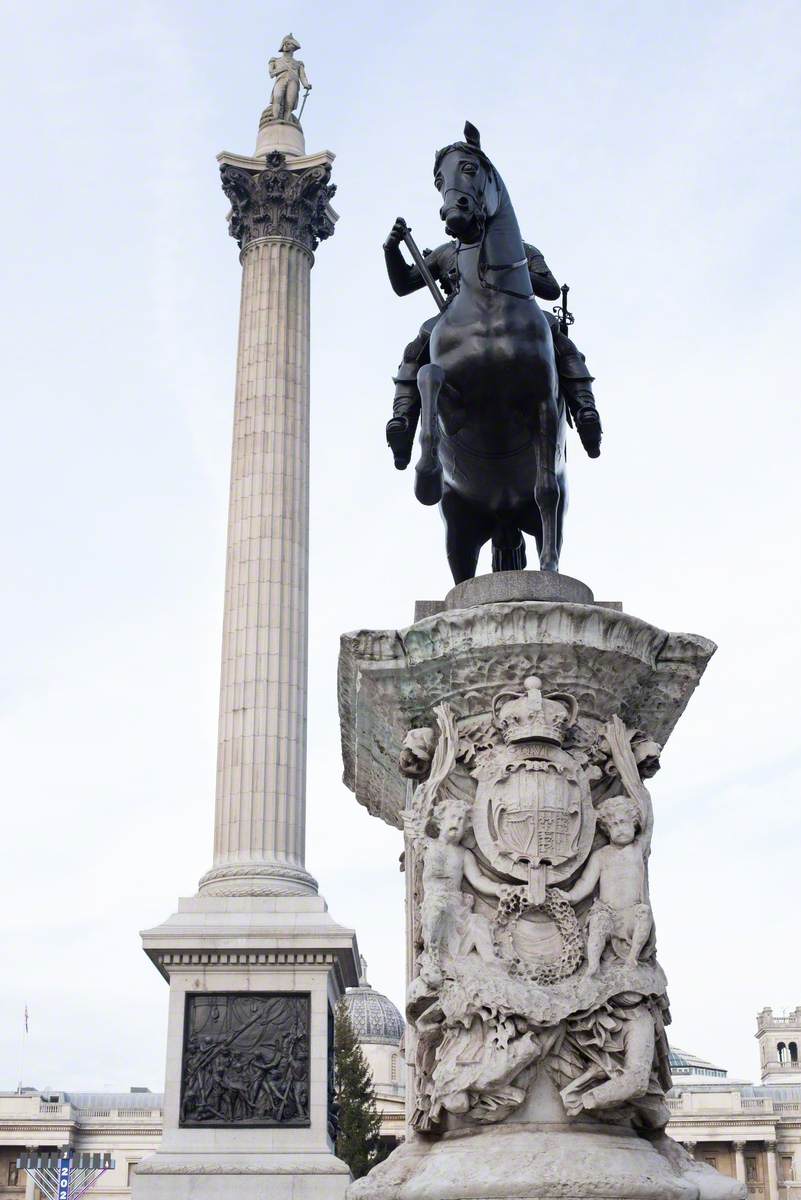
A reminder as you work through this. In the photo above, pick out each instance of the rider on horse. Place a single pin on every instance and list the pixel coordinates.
(575, 381)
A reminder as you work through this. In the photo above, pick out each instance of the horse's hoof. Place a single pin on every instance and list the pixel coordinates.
(550, 564)
(428, 485)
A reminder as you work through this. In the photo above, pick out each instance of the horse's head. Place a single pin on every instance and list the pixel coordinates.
(469, 185)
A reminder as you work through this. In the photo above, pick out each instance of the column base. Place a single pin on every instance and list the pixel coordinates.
(532, 1162)
(258, 879)
(241, 1177)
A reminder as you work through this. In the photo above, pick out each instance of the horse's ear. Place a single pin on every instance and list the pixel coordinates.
(472, 136)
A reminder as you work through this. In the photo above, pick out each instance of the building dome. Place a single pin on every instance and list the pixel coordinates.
(374, 1017)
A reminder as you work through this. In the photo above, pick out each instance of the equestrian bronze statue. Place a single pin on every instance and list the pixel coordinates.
(493, 377)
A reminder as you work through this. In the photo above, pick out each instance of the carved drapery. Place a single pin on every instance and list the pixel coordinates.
(279, 202)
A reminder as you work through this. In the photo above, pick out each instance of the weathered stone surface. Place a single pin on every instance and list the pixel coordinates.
(503, 586)
(612, 662)
(526, 1162)
(536, 1007)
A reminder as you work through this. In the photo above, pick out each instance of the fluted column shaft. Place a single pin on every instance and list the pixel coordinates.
(259, 830)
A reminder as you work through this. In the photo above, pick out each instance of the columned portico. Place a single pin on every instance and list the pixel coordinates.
(773, 1174)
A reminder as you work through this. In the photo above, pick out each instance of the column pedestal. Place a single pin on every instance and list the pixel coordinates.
(509, 733)
(212, 949)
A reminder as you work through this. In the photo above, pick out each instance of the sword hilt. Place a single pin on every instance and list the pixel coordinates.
(566, 318)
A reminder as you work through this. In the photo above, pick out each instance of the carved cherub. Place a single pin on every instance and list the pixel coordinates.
(448, 924)
(622, 910)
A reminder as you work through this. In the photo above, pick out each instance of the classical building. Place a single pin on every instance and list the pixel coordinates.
(751, 1132)
(126, 1125)
(379, 1027)
(748, 1131)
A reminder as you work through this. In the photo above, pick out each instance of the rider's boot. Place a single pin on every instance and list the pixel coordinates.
(402, 426)
(581, 406)
(575, 382)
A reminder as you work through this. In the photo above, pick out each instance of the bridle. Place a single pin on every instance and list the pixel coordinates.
(483, 265)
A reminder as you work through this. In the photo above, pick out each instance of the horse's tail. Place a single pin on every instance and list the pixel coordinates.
(508, 550)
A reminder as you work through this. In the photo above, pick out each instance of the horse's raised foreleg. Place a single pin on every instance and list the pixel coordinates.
(546, 486)
(428, 478)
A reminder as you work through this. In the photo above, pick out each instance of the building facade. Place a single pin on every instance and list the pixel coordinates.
(750, 1132)
(126, 1125)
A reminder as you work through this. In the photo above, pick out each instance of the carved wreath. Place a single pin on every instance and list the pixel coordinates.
(511, 906)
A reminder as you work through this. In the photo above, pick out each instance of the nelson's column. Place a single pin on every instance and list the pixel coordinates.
(254, 962)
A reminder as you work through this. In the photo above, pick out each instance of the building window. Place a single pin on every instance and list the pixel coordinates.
(132, 1171)
(786, 1168)
(13, 1174)
(751, 1172)
(781, 1050)
(711, 1160)
(793, 1048)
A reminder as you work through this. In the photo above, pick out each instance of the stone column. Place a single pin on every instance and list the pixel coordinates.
(773, 1174)
(279, 213)
(739, 1161)
(256, 964)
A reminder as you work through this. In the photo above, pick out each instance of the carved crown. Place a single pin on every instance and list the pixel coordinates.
(531, 717)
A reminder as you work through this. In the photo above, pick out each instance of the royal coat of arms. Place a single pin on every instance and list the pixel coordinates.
(533, 816)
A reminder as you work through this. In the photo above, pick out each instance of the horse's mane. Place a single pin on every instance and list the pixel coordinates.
(471, 145)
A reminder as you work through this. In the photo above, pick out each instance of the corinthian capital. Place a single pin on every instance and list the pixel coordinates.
(279, 201)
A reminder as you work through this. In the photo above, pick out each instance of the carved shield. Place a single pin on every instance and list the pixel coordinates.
(533, 809)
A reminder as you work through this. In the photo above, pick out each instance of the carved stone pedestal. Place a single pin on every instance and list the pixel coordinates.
(523, 1162)
(510, 733)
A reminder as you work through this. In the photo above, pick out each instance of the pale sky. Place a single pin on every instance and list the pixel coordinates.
(651, 151)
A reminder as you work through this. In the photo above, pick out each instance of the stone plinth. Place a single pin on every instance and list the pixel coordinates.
(511, 739)
(222, 946)
(284, 136)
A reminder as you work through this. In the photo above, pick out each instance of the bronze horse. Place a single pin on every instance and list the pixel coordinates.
(492, 432)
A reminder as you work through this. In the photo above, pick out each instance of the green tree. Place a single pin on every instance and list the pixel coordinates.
(358, 1142)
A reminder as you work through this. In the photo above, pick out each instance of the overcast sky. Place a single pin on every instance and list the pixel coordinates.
(651, 150)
